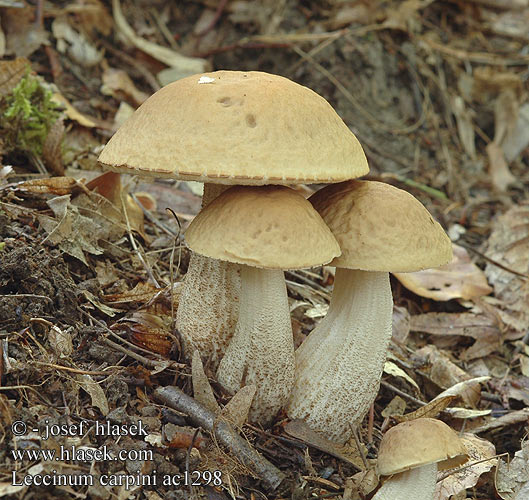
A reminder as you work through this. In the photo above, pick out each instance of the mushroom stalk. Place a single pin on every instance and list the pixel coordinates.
(339, 365)
(418, 483)
(209, 302)
(261, 351)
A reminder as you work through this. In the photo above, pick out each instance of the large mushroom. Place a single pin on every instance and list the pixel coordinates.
(380, 229)
(265, 230)
(225, 128)
(411, 453)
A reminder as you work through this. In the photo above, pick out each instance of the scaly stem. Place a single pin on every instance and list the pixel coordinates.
(339, 366)
(209, 302)
(414, 484)
(261, 351)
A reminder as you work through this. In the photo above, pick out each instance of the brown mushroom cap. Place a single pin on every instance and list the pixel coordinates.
(381, 228)
(420, 442)
(236, 127)
(271, 227)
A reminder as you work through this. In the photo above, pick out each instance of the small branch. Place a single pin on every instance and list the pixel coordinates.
(199, 415)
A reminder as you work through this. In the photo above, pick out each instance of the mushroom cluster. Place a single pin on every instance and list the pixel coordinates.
(411, 453)
(265, 230)
(380, 229)
(231, 128)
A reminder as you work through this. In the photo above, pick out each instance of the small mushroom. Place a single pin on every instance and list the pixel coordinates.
(265, 230)
(226, 128)
(411, 453)
(338, 367)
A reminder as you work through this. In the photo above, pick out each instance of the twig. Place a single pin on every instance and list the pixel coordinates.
(173, 397)
(396, 390)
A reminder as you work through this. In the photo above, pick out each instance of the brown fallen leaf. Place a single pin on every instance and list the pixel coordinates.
(480, 327)
(117, 83)
(511, 418)
(467, 476)
(508, 244)
(430, 410)
(500, 174)
(460, 279)
(142, 293)
(238, 408)
(11, 72)
(512, 478)
(57, 186)
(468, 390)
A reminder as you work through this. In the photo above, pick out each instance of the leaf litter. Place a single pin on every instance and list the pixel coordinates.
(89, 279)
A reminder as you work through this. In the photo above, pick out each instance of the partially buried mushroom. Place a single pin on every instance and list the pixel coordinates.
(380, 229)
(265, 229)
(225, 128)
(411, 453)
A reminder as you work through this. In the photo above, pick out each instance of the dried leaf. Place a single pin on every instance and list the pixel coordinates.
(187, 65)
(69, 230)
(202, 390)
(508, 244)
(238, 408)
(478, 449)
(397, 406)
(482, 328)
(94, 390)
(72, 113)
(78, 47)
(23, 35)
(460, 279)
(430, 410)
(468, 390)
(513, 417)
(466, 413)
(518, 139)
(400, 324)
(11, 72)
(512, 479)
(142, 293)
(117, 83)
(392, 369)
(57, 186)
(61, 342)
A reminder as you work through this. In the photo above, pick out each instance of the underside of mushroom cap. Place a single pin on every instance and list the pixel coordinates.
(419, 442)
(381, 228)
(236, 127)
(271, 227)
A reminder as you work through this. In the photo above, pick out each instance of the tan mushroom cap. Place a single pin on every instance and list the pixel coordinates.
(381, 228)
(235, 127)
(420, 442)
(271, 227)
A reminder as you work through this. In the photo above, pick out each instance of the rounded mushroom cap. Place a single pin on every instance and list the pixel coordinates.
(417, 443)
(272, 227)
(381, 228)
(237, 127)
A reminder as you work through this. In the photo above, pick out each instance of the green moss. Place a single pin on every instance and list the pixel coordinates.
(26, 115)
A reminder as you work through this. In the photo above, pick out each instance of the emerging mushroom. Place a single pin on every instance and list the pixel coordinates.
(380, 229)
(412, 453)
(265, 229)
(231, 127)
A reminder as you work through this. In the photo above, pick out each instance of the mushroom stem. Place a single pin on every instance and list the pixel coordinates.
(261, 351)
(209, 302)
(418, 483)
(339, 365)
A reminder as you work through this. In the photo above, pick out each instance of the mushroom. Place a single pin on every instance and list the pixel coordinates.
(264, 229)
(339, 365)
(412, 453)
(231, 127)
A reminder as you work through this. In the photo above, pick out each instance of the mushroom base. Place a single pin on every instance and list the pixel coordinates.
(339, 366)
(413, 484)
(261, 351)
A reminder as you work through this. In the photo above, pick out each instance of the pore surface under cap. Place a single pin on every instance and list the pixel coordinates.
(419, 442)
(263, 226)
(236, 127)
(381, 228)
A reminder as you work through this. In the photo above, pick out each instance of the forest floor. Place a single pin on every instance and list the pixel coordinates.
(91, 265)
